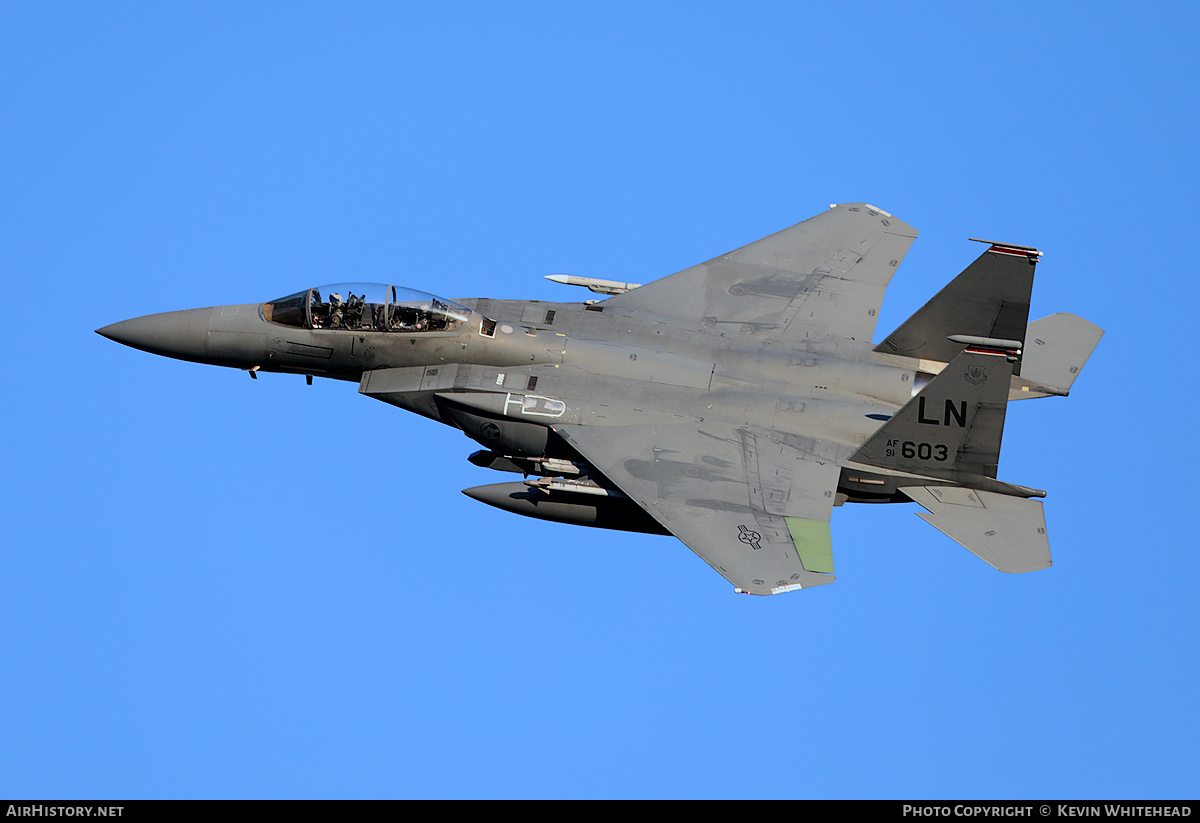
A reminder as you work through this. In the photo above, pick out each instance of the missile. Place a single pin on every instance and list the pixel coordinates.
(593, 283)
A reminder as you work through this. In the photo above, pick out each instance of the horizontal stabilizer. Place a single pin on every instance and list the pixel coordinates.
(1056, 349)
(1007, 533)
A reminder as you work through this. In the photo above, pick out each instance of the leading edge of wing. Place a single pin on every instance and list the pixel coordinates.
(753, 509)
(822, 278)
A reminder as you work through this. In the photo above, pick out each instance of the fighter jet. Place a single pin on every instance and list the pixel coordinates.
(733, 404)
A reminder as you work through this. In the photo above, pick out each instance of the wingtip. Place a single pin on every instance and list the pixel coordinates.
(884, 212)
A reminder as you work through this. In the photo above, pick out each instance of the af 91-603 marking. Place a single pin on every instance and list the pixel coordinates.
(917, 451)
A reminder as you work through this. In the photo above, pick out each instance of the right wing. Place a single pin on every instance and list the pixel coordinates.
(820, 279)
(755, 510)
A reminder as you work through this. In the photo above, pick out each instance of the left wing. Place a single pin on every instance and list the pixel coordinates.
(820, 279)
(754, 509)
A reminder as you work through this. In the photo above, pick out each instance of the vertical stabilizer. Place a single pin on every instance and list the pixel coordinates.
(953, 426)
(989, 299)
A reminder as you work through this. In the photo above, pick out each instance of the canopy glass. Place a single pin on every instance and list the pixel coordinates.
(366, 307)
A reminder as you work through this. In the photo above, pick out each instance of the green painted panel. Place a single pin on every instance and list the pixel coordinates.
(812, 543)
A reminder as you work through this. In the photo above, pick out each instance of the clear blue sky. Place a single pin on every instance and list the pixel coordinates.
(204, 597)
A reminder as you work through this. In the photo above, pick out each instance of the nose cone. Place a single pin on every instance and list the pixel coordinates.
(223, 336)
(180, 334)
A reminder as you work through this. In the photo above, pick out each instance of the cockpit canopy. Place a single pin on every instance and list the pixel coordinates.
(366, 307)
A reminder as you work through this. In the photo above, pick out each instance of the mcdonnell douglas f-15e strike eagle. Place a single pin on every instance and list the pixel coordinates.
(732, 404)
